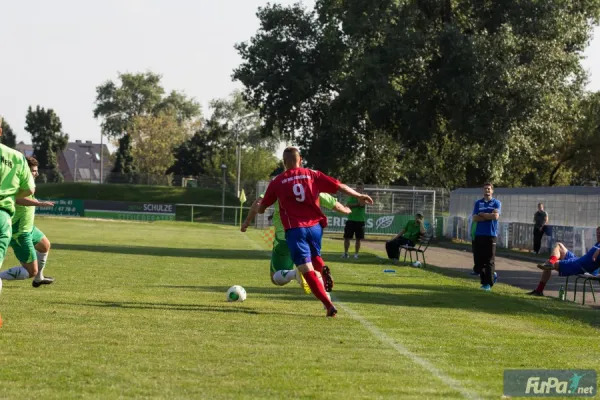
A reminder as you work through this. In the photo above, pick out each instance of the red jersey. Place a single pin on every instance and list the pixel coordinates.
(298, 191)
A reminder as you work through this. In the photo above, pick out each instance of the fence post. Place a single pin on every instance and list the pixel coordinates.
(192, 217)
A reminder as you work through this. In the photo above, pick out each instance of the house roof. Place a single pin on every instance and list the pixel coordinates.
(88, 155)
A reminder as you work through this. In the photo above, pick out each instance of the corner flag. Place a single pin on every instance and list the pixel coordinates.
(242, 201)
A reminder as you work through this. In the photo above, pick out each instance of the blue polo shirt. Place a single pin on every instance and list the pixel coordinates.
(490, 227)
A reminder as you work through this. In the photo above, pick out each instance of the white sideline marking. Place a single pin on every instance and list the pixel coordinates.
(451, 382)
(382, 337)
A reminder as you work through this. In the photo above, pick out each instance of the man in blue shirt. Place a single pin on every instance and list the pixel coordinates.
(486, 213)
(567, 263)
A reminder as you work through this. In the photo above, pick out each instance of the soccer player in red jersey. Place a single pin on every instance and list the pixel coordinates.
(297, 190)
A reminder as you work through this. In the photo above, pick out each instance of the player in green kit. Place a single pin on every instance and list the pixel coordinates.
(16, 181)
(282, 266)
(30, 245)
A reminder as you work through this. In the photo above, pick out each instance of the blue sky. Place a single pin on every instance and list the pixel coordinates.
(55, 53)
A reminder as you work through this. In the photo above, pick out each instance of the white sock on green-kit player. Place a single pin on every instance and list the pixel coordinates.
(14, 274)
(42, 257)
(284, 276)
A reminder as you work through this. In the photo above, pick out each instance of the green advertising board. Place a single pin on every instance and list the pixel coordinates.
(63, 207)
(379, 224)
(129, 210)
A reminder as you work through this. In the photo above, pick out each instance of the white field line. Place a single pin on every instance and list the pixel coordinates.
(382, 337)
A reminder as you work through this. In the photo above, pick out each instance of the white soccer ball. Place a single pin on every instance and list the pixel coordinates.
(417, 264)
(236, 293)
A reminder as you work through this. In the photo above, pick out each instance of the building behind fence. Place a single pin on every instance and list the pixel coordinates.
(574, 214)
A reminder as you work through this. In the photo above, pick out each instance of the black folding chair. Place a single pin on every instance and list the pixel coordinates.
(419, 248)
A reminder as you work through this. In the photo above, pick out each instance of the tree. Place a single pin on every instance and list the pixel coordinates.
(47, 139)
(193, 157)
(137, 95)
(153, 139)
(124, 168)
(8, 136)
(461, 88)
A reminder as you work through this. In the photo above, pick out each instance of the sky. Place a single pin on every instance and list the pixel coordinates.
(55, 53)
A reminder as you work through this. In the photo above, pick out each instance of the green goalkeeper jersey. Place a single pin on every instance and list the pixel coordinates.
(326, 200)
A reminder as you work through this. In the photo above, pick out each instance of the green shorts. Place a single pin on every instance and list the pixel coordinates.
(23, 245)
(281, 258)
(5, 234)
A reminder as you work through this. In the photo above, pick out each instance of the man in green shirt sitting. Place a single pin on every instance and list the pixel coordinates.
(412, 232)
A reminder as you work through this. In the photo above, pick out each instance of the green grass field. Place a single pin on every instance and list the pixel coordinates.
(138, 310)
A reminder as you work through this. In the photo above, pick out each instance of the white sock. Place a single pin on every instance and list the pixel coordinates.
(42, 257)
(14, 274)
(284, 276)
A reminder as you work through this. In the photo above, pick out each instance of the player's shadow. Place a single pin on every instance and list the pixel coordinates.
(166, 251)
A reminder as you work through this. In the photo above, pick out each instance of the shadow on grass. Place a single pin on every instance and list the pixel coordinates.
(161, 306)
(233, 254)
(289, 292)
(468, 298)
(430, 296)
(167, 251)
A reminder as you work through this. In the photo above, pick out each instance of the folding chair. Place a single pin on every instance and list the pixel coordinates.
(421, 247)
(587, 278)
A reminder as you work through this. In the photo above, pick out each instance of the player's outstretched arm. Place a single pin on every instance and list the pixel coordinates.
(25, 201)
(351, 192)
(339, 207)
(251, 214)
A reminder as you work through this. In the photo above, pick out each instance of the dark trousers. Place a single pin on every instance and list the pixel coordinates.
(392, 247)
(485, 258)
(537, 238)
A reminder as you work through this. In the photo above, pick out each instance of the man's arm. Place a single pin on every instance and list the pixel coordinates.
(24, 193)
(351, 192)
(268, 199)
(339, 207)
(494, 215)
(251, 214)
(546, 220)
(33, 202)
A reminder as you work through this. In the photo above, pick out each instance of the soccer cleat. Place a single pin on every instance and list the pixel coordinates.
(302, 282)
(327, 279)
(345, 255)
(332, 312)
(356, 256)
(46, 281)
(486, 288)
(536, 293)
(547, 266)
(473, 273)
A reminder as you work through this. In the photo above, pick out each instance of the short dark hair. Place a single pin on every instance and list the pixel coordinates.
(31, 161)
(488, 184)
(540, 204)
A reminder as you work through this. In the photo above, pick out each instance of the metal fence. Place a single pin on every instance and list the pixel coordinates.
(566, 206)
(517, 235)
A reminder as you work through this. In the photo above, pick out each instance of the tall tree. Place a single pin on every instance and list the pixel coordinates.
(461, 87)
(47, 139)
(8, 135)
(154, 138)
(137, 95)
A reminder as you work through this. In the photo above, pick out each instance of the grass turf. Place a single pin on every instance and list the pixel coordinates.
(138, 310)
